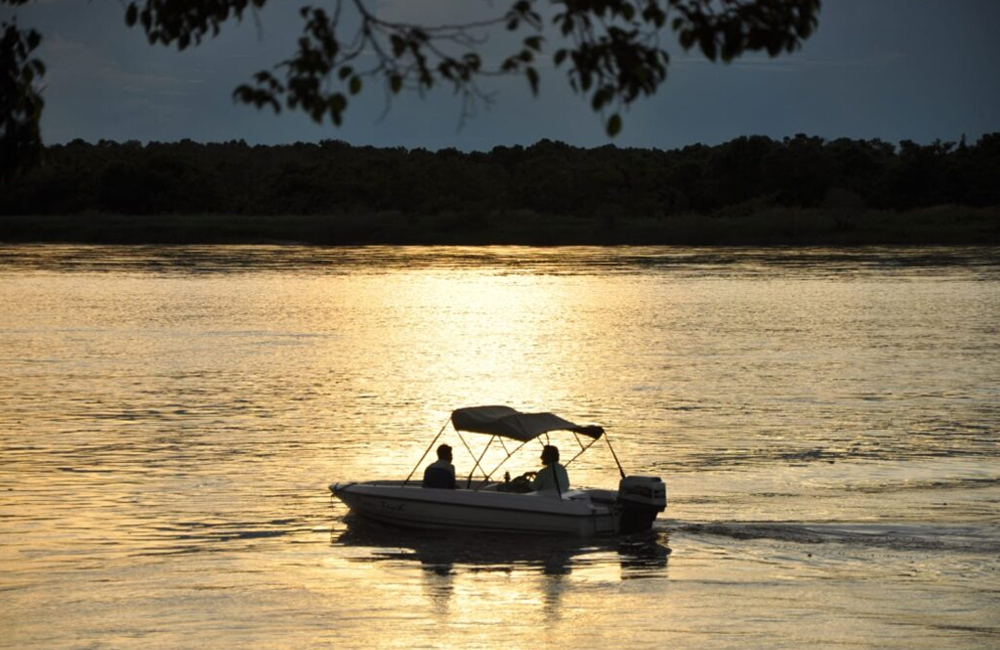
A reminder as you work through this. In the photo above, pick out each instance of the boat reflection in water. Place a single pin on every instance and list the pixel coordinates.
(521, 580)
(445, 552)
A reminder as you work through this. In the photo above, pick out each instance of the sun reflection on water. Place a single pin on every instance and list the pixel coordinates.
(825, 420)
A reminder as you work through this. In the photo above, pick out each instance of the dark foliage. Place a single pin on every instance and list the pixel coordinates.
(547, 178)
(20, 101)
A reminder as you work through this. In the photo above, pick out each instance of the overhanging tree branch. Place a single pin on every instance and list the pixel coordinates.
(611, 50)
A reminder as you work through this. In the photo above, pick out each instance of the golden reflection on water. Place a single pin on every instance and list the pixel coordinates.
(477, 339)
(170, 419)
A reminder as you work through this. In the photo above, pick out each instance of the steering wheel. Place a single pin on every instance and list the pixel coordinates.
(522, 483)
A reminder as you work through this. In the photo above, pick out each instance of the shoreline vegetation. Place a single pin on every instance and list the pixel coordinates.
(799, 191)
(943, 225)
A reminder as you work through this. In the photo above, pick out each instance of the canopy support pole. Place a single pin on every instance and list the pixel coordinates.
(468, 482)
(501, 464)
(426, 451)
(620, 470)
(580, 453)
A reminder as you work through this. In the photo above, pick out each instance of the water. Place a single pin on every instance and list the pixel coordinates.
(826, 421)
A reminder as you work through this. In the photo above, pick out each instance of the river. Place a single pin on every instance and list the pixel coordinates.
(827, 422)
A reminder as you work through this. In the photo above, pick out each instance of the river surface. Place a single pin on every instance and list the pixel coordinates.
(826, 421)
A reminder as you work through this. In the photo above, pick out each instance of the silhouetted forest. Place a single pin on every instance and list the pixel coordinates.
(332, 192)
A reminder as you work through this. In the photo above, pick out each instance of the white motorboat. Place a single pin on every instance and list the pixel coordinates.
(480, 503)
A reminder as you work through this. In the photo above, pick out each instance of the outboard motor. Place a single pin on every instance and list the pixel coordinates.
(640, 498)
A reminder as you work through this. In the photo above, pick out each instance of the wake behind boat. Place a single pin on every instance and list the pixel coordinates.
(480, 503)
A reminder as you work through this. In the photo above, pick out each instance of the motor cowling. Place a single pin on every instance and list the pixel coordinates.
(640, 499)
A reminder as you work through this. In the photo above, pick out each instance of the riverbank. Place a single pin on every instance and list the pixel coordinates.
(946, 225)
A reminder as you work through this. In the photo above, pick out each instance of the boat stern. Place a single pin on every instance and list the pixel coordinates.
(641, 499)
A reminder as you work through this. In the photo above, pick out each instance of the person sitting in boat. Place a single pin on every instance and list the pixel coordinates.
(440, 473)
(553, 476)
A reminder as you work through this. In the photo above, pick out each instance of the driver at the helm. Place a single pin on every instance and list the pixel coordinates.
(553, 476)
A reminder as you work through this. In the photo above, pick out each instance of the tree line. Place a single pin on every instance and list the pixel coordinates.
(332, 177)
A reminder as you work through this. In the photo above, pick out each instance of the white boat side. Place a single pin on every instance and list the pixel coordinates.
(583, 513)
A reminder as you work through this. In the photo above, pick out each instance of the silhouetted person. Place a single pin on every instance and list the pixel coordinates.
(440, 473)
(553, 476)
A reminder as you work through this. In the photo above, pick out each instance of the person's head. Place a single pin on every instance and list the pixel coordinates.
(444, 453)
(550, 454)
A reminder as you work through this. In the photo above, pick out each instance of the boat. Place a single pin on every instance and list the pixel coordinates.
(480, 503)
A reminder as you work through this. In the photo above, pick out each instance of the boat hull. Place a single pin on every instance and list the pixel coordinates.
(580, 513)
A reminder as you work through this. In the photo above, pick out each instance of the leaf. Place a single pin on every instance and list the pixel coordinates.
(473, 61)
(355, 85)
(708, 48)
(337, 103)
(600, 97)
(242, 93)
(131, 14)
(614, 125)
(398, 45)
(395, 83)
(532, 79)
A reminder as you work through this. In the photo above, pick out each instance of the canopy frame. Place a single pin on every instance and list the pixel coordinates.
(501, 422)
(424, 455)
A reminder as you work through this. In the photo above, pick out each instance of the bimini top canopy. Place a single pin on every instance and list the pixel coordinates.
(505, 421)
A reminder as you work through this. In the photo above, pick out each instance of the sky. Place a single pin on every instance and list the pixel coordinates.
(891, 69)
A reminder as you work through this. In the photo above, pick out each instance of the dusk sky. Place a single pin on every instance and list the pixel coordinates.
(889, 69)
